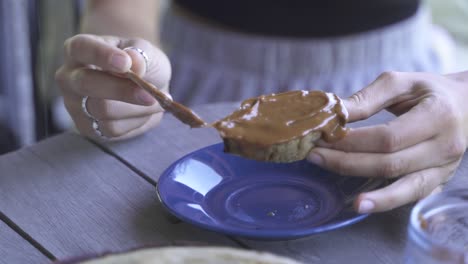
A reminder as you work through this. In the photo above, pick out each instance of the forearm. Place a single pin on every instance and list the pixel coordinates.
(123, 18)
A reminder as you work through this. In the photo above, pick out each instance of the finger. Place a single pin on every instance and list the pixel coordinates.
(405, 131)
(437, 190)
(403, 107)
(436, 152)
(99, 84)
(115, 110)
(103, 109)
(113, 129)
(140, 61)
(388, 89)
(118, 128)
(410, 188)
(159, 68)
(102, 52)
(152, 122)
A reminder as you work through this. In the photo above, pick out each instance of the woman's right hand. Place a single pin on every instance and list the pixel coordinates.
(91, 68)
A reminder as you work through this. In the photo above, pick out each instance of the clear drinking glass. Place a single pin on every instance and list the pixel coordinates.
(438, 229)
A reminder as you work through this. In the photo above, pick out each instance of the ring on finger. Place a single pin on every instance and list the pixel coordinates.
(84, 107)
(95, 121)
(142, 53)
(96, 129)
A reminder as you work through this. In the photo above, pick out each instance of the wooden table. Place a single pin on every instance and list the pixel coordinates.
(68, 196)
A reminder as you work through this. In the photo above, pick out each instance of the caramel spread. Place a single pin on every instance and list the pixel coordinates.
(278, 127)
(279, 118)
(181, 112)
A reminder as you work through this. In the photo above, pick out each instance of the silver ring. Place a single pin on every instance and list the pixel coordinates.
(97, 130)
(143, 54)
(95, 122)
(84, 106)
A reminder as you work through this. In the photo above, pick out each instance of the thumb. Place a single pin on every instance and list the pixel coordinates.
(140, 60)
(388, 89)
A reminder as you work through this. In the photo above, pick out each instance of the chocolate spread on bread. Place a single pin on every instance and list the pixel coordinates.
(271, 120)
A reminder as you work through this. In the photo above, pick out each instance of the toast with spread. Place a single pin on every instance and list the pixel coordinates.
(283, 127)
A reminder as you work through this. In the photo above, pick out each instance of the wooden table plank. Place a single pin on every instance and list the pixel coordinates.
(73, 199)
(378, 239)
(15, 249)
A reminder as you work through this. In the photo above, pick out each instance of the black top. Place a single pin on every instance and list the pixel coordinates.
(302, 18)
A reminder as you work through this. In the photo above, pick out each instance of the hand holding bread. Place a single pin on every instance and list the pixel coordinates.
(420, 149)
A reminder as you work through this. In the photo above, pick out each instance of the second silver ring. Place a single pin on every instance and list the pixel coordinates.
(95, 121)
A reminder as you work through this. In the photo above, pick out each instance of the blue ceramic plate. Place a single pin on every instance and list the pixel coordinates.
(235, 196)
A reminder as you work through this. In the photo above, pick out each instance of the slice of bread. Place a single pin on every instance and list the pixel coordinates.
(283, 127)
(293, 150)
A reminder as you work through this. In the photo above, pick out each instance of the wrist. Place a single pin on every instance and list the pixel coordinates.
(126, 19)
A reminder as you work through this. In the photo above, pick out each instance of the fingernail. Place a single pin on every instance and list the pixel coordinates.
(315, 158)
(120, 62)
(144, 98)
(366, 206)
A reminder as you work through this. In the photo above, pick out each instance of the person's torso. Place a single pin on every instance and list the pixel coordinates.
(302, 18)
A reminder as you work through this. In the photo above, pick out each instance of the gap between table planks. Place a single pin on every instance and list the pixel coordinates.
(74, 199)
(15, 249)
(378, 239)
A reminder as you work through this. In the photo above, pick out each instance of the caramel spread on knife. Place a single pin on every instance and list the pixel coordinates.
(181, 112)
(277, 118)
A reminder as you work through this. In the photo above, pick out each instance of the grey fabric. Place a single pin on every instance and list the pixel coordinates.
(16, 76)
(212, 64)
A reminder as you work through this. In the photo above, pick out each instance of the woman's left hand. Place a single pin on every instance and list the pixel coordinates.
(421, 148)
